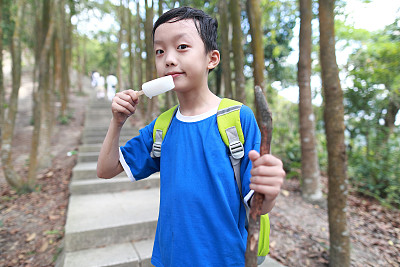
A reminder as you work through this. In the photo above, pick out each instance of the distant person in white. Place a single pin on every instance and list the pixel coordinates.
(101, 90)
(112, 82)
(95, 77)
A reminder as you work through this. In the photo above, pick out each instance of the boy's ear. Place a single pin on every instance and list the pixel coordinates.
(214, 58)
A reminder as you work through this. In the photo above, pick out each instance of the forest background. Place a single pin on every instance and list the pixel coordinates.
(57, 37)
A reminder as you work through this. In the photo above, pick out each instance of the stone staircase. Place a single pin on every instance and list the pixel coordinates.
(109, 222)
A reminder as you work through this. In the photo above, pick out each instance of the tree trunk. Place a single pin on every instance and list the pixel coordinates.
(38, 95)
(152, 107)
(68, 48)
(61, 35)
(390, 117)
(58, 61)
(169, 96)
(334, 128)
(131, 76)
(80, 60)
(121, 12)
(311, 188)
(225, 49)
(254, 15)
(2, 92)
(46, 104)
(12, 178)
(238, 54)
(139, 61)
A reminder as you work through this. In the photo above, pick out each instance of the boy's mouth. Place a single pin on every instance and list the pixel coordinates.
(174, 74)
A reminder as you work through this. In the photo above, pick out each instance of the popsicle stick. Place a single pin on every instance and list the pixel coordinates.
(140, 93)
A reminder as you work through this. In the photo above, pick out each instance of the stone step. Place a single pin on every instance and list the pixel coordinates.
(87, 170)
(129, 254)
(100, 139)
(101, 131)
(89, 148)
(88, 156)
(97, 220)
(116, 184)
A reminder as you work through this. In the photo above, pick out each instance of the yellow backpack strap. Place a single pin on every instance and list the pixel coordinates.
(263, 241)
(160, 129)
(230, 128)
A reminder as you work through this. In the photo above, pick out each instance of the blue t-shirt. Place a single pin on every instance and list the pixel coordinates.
(201, 219)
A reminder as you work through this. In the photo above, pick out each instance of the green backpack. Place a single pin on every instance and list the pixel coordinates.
(230, 128)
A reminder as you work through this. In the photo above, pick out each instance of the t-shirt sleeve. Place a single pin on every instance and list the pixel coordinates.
(135, 157)
(252, 141)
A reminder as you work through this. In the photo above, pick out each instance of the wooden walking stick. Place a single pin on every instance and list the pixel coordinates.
(265, 123)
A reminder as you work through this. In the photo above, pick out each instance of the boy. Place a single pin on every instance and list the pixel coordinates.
(201, 218)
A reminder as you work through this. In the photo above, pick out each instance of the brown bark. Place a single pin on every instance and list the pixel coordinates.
(38, 95)
(2, 92)
(46, 103)
(265, 125)
(139, 61)
(62, 36)
(152, 104)
(334, 128)
(68, 48)
(238, 53)
(120, 85)
(254, 15)
(225, 49)
(12, 178)
(131, 76)
(310, 172)
(170, 95)
(390, 117)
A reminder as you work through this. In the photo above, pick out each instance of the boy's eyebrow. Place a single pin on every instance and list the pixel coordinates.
(178, 36)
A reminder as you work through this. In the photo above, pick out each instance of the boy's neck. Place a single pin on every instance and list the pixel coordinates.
(196, 102)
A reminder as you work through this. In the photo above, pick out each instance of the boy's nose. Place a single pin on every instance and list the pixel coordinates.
(170, 59)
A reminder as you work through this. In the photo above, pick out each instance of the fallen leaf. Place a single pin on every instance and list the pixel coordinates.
(14, 231)
(30, 237)
(44, 246)
(285, 193)
(54, 217)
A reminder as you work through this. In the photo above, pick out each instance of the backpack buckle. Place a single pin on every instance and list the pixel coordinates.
(156, 151)
(237, 150)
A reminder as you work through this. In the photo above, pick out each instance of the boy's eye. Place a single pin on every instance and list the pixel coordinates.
(159, 52)
(182, 46)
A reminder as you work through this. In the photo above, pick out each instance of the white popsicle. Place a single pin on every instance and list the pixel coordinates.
(157, 86)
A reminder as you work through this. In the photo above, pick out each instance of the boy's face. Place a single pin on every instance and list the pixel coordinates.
(180, 52)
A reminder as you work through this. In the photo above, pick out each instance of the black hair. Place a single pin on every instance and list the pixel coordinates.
(206, 25)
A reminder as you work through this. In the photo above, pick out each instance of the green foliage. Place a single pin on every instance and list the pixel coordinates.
(7, 22)
(376, 171)
(286, 137)
(373, 71)
(65, 119)
(279, 19)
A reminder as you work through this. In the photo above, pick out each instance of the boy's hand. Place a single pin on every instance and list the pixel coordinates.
(267, 177)
(124, 105)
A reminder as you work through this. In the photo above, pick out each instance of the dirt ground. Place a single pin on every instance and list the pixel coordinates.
(32, 225)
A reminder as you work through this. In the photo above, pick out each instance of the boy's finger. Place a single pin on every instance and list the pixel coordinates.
(267, 160)
(253, 155)
(125, 104)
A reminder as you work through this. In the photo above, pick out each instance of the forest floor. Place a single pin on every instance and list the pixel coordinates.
(32, 225)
